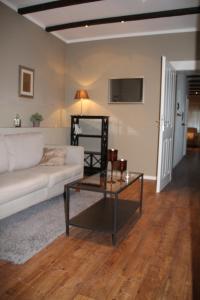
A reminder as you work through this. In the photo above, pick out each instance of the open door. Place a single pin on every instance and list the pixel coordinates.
(166, 125)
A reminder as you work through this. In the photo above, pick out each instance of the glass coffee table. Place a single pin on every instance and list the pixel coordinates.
(111, 212)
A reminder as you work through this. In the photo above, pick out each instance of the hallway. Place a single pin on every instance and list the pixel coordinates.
(186, 183)
(187, 173)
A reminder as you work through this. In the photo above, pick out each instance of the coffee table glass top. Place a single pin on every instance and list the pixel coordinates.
(100, 182)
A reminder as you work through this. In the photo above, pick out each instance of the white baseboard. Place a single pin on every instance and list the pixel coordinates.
(150, 177)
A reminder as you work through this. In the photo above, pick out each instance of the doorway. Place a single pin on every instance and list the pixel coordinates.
(184, 68)
(187, 114)
(193, 120)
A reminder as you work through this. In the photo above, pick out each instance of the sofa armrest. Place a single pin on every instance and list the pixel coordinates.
(75, 155)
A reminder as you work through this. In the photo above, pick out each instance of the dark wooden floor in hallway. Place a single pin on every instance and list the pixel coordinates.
(159, 258)
(186, 179)
(187, 173)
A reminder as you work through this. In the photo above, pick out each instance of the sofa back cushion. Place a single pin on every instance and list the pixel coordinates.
(3, 155)
(24, 150)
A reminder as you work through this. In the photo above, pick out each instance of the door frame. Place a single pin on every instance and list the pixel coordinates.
(186, 65)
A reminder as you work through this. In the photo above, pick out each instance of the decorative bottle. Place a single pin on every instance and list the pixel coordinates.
(17, 121)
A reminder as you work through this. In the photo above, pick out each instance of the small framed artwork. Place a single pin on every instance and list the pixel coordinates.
(26, 82)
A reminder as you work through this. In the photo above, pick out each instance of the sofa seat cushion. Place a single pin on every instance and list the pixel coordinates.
(57, 174)
(19, 183)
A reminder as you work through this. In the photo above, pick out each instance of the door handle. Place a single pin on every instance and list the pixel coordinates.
(167, 123)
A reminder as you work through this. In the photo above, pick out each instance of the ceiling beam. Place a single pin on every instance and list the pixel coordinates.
(194, 84)
(194, 90)
(194, 80)
(51, 5)
(190, 77)
(136, 17)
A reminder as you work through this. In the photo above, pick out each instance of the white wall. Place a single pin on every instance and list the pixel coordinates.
(52, 136)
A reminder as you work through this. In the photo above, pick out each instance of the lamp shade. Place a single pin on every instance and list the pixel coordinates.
(81, 94)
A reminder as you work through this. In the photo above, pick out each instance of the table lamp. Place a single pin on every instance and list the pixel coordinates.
(81, 95)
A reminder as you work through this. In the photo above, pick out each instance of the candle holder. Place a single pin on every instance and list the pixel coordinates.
(112, 157)
(122, 166)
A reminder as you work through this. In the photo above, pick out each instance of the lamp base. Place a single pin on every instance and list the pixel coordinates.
(111, 181)
(121, 180)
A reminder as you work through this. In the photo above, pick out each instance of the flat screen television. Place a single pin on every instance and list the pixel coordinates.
(126, 90)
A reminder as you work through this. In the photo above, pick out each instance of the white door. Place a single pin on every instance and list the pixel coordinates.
(166, 125)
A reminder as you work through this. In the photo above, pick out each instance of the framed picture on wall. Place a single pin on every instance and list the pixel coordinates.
(26, 82)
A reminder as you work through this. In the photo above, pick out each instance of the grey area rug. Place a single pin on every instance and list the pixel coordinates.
(26, 233)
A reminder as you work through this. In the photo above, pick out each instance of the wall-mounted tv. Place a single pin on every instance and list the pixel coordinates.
(126, 90)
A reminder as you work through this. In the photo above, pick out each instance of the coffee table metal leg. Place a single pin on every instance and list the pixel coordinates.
(141, 193)
(113, 239)
(66, 203)
(115, 214)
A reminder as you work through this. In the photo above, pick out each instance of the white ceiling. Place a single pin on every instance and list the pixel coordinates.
(111, 8)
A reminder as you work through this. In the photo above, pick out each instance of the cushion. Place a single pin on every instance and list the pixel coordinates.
(24, 150)
(19, 183)
(3, 155)
(58, 174)
(53, 157)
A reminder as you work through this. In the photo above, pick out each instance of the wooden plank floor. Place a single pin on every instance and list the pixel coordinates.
(157, 258)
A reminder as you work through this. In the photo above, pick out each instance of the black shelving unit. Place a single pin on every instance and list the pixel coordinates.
(94, 161)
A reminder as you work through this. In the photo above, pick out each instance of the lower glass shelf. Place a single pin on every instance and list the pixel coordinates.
(99, 216)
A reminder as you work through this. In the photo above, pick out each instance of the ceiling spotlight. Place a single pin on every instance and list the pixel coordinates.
(86, 26)
(196, 93)
(122, 21)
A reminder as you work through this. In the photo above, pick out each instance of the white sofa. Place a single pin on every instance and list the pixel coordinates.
(23, 181)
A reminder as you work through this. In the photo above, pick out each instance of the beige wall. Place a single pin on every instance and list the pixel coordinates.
(24, 43)
(133, 129)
